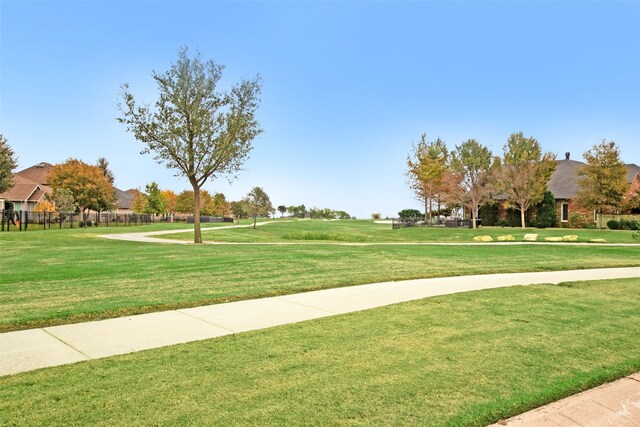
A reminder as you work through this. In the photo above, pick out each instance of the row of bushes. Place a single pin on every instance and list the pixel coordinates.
(623, 224)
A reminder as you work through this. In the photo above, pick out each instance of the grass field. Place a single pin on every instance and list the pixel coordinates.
(63, 276)
(457, 360)
(360, 231)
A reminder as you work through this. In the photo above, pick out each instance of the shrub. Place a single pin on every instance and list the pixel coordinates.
(501, 223)
(410, 213)
(376, 215)
(546, 215)
(489, 214)
(627, 224)
(613, 224)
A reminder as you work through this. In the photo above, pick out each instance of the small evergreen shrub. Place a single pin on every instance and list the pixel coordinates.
(489, 214)
(546, 215)
(612, 224)
(410, 214)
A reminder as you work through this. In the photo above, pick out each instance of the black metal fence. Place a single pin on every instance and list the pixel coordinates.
(24, 220)
(397, 223)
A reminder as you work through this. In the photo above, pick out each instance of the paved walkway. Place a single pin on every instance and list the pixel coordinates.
(27, 350)
(614, 404)
(150, 237)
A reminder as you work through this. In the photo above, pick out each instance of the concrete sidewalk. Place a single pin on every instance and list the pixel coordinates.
(614, 404)
(27, 350)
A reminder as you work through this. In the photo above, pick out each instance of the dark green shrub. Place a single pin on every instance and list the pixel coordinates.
(410, 213)
(513, 218)
(612, 224)
(628, 224)
(501, 223)
(489, 214)
(546, 215)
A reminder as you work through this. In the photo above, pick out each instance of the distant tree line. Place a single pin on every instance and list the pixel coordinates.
(471, 177)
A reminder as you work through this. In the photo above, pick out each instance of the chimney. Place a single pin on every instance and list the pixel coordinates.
(567, 155)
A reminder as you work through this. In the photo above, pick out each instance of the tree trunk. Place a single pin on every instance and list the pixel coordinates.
(430, 209)
(426, 208)
(474, 215)
(197, 234)
(600, 226)
(522, 212)
(255, 219)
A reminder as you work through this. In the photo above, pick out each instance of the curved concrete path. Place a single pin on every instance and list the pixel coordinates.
(31, 349)
(145, 237)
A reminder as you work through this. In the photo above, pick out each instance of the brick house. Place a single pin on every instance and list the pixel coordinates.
(563, 184)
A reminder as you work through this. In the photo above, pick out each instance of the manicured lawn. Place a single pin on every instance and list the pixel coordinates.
(63, 276)
(362, 231)
(458, 360)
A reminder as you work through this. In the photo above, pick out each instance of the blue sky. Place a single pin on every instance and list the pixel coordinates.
(348, 86)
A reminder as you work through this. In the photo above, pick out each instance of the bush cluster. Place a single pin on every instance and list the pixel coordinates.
(623, 224)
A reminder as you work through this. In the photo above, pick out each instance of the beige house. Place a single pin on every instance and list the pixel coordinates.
(30, 187)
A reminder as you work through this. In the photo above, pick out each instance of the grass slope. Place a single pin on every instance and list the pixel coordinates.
(361, 231)
(62, 276)
(457, 360)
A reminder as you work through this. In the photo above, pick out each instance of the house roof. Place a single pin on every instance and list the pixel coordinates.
(563, 183)
(24, 190)
(125, 198)
(37, 173)
(632, 171)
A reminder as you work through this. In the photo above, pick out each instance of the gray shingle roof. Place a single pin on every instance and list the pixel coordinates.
(564, 181)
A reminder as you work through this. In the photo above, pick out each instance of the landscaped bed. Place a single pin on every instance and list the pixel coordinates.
(464, 359)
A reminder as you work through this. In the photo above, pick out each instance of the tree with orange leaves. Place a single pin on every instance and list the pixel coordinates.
(87, 184)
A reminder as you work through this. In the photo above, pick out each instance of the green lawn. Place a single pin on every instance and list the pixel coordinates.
(362, 231)
(63, 276)
(457, 360)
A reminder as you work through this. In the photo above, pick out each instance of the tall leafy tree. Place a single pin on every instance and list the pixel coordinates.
(470, 179)
(139, 202)
(88, 185)
(156, 203)
(602, 183)
(258, 203)
(184, 202)
(170, 198)
(63, 200)
(426, 167)
(220, 205)
(239, 209)
(103, 164)
(196, 129)
(282, 209)
(526, 172)
(7, 164)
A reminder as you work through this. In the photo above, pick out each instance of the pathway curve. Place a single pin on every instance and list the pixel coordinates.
(149, 237)
(31, 349)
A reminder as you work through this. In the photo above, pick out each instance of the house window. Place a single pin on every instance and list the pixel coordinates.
(564, 214)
